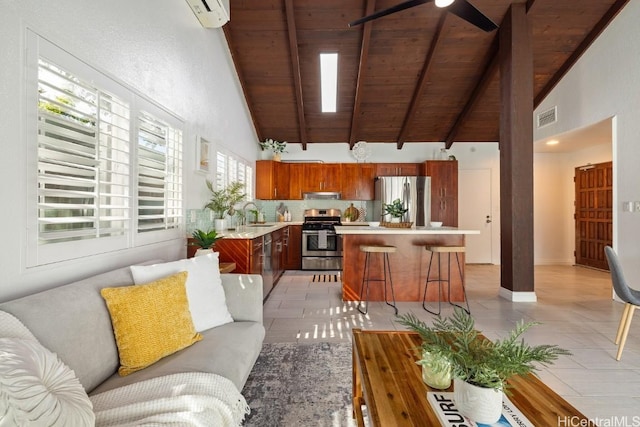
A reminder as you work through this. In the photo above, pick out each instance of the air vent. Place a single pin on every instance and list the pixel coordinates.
(548, 117)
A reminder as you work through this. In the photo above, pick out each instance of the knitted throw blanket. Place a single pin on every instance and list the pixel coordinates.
(188, 399)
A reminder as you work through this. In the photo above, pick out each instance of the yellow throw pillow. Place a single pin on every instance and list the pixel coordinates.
(150, 321)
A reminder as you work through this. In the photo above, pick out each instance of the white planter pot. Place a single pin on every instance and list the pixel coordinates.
(479, 404)
(395, 219)
(220, 224)
(440, 380)
(202, 251)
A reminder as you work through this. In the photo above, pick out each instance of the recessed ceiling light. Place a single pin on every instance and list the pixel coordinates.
(329, 81)
(553, 142)
(443, 3)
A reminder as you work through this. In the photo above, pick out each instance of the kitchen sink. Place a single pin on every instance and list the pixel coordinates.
(260, 225)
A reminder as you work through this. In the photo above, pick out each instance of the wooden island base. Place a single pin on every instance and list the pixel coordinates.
(408, 266)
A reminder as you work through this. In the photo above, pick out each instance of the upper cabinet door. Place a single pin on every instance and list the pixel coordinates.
(321, 177)
(444, 190)
(358, 181)
(397, 169)
(272, 180)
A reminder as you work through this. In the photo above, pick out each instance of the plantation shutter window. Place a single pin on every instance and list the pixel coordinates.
(159, 174)
(83, 159)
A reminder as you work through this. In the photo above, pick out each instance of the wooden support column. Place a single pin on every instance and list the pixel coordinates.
(516, 156)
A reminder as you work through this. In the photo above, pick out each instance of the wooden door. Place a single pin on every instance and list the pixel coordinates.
(593, 214)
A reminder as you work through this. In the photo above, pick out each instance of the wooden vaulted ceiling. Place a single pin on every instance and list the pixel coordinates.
(420, 75)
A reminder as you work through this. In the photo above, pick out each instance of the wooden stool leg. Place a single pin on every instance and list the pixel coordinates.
(625, 332)
(387, 267)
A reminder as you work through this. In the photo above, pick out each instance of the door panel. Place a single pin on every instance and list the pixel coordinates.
(475, 213)
(593, 214)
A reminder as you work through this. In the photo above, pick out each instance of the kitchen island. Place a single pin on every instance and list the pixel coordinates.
(408, 265)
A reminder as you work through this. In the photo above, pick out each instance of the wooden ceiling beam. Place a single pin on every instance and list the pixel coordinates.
(480, 88)
(295, 68)
(243, 83)
(362, 66)
(488, 74)
(577, 53)
(422, 83)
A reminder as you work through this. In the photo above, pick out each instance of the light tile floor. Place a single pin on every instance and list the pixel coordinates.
(574, 306)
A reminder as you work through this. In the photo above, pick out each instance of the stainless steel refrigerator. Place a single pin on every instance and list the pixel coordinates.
(413, 191)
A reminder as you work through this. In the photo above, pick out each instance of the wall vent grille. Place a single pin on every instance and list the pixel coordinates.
(548, 117)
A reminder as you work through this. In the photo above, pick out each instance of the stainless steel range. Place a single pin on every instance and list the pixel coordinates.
(321, 246)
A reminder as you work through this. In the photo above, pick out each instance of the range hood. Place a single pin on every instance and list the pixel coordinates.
(321, 195)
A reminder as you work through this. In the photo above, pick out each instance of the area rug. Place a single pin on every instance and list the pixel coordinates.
(326, 278)
(300, 385)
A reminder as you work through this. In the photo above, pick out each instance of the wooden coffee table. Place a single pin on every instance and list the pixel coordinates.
(387, 380)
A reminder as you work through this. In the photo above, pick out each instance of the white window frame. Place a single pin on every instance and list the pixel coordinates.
(230, 167)
(37, 254)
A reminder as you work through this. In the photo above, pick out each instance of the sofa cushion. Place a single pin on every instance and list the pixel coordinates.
(150, 321)
(230, 350)
(73, 322)
(207, 301)
(37, 388)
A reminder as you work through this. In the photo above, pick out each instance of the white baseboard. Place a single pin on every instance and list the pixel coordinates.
(517, 296)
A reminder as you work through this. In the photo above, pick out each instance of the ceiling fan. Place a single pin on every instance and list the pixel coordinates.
(460, 8)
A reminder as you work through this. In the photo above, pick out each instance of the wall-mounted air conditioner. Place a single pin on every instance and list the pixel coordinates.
(211, 13)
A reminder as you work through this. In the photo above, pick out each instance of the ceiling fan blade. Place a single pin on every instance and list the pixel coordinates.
(389, 11)
(468, 12)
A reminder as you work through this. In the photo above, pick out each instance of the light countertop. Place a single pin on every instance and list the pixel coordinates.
(251, 231)
(362, 229)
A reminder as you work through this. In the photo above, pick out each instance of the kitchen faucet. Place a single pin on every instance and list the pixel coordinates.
(244, 211)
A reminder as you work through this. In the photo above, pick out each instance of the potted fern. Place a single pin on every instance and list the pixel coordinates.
(480, 367)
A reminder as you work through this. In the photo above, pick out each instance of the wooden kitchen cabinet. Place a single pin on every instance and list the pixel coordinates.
(358, 181)
(292, 248)
(398, 169)
(272, 180)
(321, 177)
(444, 190)
(296, 174)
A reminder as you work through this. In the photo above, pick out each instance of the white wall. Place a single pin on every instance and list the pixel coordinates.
(157, 48)
(605, 83)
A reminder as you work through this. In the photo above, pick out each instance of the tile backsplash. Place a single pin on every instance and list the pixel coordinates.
(203, 218)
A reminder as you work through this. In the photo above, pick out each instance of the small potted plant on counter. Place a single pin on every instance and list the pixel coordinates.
(480, 367)
(205, 240)
(396, 209)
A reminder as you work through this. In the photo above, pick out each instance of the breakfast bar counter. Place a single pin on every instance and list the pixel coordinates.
(409, 263)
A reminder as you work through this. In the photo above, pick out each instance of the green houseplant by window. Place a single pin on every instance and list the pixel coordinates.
(476, 360)
(223, 201)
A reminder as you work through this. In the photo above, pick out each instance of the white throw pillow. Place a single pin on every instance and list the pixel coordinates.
(38, 389)
(207, 301)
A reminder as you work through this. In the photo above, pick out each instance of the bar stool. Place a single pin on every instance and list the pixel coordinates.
(448, 250)
(366, 274)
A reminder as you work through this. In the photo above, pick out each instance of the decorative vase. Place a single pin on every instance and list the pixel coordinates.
(276, 157)
(438, 380)
(479, 404)
(203, 251)
(220, 224)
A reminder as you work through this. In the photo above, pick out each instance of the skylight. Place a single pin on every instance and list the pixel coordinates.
(329, 81)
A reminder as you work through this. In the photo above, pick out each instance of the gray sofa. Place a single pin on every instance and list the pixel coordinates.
(73, 321)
